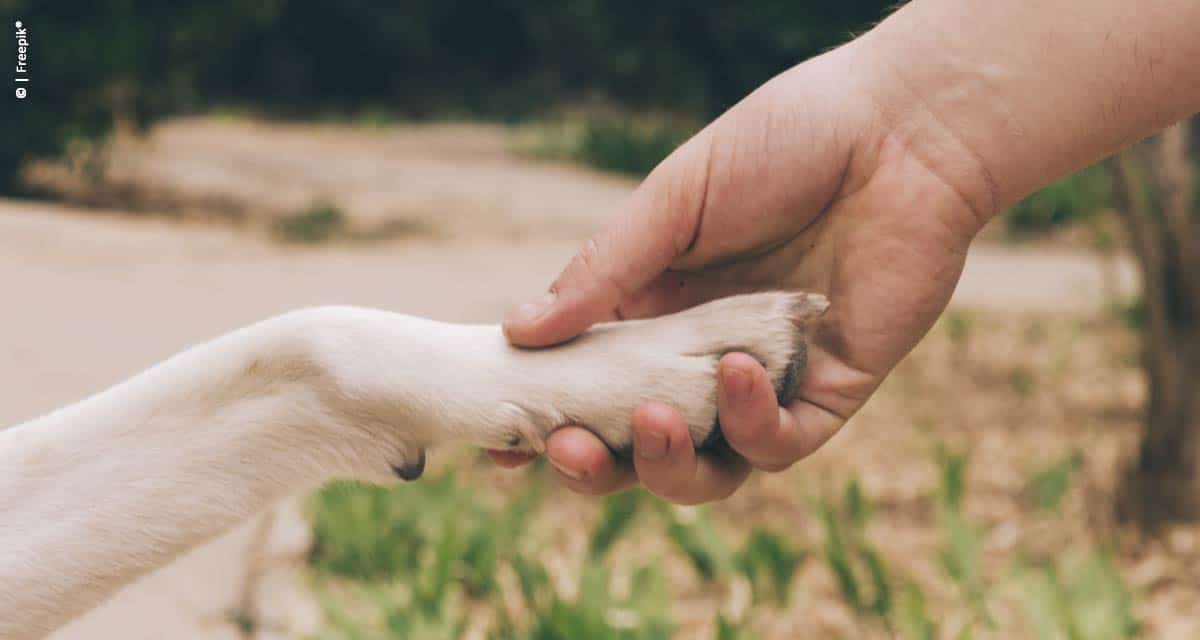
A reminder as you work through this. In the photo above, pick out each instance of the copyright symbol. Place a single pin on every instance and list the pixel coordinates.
(21, 93)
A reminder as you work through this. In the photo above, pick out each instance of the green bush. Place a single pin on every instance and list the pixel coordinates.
(92, 64)
(319, 223)
(136, 60)
(624, 145)
(1070, 200)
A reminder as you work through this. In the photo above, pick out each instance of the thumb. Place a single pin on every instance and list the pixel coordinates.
(658, 225)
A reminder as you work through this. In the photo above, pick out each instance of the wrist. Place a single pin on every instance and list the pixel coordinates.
(937, 114)
(1001, 98)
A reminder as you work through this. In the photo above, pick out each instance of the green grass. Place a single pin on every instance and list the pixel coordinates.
(415, 560)
(619, 142)
(770, 561)
(857, 566)
(319, 223)
(1049, 484)
(1077, 597)
(324, 222)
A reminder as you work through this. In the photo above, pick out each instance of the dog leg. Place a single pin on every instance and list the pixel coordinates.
(96, 494)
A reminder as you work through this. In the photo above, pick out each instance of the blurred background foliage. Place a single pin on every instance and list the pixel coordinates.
(436, 560)
(127, 63)
(96, 64)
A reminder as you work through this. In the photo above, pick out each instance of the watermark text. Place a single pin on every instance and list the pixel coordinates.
(21, 69)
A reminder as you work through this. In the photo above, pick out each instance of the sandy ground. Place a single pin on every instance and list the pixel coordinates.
(459, 179)
(90, 297)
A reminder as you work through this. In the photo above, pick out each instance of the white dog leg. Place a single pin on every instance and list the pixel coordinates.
(101, 492)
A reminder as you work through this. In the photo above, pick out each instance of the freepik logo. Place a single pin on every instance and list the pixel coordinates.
(21, 69)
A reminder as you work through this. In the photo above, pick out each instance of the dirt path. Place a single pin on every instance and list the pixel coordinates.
(454, 182)
(458, 179)
(90, 298)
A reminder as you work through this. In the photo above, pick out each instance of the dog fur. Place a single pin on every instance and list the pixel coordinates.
(101, 492)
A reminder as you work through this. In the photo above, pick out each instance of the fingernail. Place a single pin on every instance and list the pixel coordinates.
(531, 311)
(650, 445)
(574, 474)
(735, 382)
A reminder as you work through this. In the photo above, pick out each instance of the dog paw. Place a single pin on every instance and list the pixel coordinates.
(596, 380)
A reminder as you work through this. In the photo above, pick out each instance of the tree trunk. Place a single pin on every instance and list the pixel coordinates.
(1153, 187)
(1163, 484)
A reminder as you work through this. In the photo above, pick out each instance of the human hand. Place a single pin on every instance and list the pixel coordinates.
(807, 184)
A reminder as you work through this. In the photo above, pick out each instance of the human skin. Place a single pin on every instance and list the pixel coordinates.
(863, 174)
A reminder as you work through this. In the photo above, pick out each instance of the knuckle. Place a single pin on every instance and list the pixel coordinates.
(590, 268)
(588, 257)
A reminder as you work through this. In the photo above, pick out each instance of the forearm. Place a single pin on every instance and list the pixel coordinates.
(1003, 96)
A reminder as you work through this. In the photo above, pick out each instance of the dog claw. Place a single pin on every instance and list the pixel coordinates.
(410, 470)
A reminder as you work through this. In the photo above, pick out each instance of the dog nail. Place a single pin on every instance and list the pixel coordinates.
(411, 470)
